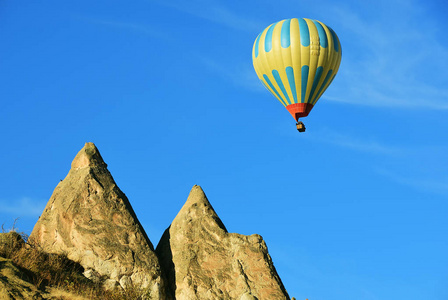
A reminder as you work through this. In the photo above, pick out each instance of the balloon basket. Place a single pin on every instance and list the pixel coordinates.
(300, 127)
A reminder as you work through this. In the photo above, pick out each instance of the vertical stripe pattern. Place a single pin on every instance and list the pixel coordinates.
(286, 33)
(297, 59)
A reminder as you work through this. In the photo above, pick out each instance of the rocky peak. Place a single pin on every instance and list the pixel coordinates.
(203, 261)
(89, 156)
(198, 210)
(91, 220)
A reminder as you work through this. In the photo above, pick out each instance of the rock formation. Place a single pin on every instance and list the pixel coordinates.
(203, 261)
(90, 219)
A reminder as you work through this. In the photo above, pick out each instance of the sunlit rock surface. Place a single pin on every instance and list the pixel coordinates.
(91, 220)
(203, 261)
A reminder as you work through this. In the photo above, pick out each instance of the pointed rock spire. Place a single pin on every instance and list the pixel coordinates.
(198, 209)
(88, 156)
(91, 220)
(203, 261)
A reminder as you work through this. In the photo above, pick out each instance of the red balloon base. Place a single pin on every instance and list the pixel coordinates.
(299, 110)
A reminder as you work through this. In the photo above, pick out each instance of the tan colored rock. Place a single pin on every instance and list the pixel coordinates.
(91, 220)
(204, 261)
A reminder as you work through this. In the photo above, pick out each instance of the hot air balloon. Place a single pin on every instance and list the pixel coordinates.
(296, 60)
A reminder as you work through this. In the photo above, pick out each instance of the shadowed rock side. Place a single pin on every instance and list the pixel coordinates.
(13, 283)
(203, 261)
(91, 220)
(18, 282)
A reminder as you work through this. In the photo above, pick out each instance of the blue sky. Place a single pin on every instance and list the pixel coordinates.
(355, 208)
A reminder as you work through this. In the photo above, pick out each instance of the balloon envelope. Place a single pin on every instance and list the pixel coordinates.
(296, 60)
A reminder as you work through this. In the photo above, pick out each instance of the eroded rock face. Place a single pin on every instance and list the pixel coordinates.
(204, 261)
(91, 220)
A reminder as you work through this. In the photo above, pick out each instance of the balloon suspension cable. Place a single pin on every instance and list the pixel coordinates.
(300, 126)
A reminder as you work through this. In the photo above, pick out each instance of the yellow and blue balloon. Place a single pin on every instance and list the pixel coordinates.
(296, 60)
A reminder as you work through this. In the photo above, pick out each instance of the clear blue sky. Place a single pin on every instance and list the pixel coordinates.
(355, 208)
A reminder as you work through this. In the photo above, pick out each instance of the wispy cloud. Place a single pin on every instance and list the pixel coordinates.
(22, 207)
(216, 12)
(438, 185)
(355, 143)
(242, 75)
(390, 62)
(422, 167)
(368, 95)
(145, 29)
